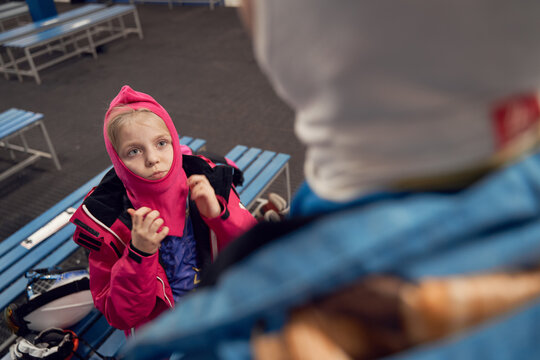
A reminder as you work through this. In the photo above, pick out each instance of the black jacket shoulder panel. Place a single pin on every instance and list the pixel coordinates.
(109, 200)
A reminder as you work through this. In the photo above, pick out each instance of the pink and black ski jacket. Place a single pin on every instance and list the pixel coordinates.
(129, 287)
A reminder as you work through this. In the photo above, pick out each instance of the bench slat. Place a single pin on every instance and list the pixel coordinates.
(18, 123)
(8, 113)
(111, 346)
(194, 143)
(11, 114)
(18, 252)
(247, 158)
(34, 256)
(235, 153)
(57, 256)
(94, 335)
(14, 117)
(197, 144)
(257, 166)
(46, 23)
(185, 140)
(268, 174)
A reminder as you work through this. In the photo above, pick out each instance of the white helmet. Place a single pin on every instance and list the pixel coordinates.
(55, 299)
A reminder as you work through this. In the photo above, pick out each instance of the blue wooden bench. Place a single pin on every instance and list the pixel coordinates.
(37, 26)
(10, 11)
(14, 123)
(47, 241)
(31, 53)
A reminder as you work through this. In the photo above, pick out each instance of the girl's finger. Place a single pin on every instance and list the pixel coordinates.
(162, 234)
(137, 216)
(150, 218)
(156, 225)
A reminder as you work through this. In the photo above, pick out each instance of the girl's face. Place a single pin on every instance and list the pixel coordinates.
(145, 146)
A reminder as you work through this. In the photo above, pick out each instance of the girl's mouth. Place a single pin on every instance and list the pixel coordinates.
(158, 175)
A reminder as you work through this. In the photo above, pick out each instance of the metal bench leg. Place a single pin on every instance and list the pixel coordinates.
(33, 68)
(288, 180)
(91, 44)
(11, 152)
(63, 45)
(3, 65)
(76, 46)
(50, 145)
(122, 26)
(12, 59)
(24, 142)
(138, 23)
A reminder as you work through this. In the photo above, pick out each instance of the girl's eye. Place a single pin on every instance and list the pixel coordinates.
(133, 152)
(162, 143)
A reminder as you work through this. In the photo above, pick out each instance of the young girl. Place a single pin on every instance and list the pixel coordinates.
(156, 219)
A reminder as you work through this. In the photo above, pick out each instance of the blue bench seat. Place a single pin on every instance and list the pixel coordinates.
(71, 38)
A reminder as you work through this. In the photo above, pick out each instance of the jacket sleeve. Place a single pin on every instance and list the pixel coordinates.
(233, 221)
(124, 284)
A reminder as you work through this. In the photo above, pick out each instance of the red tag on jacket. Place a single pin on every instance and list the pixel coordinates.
(515, 116)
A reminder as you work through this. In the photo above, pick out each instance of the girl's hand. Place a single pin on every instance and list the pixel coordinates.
(204, 196)
(144, 232)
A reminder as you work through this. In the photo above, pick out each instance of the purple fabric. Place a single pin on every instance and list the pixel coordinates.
(179, 259)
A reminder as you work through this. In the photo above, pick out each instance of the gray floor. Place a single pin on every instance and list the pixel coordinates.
(196, 62)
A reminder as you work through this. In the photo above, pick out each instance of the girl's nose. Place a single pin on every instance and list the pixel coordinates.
(152, 158)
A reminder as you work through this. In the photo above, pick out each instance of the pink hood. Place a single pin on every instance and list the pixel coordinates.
(167, 195)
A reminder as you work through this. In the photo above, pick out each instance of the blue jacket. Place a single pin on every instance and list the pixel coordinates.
(493, 224)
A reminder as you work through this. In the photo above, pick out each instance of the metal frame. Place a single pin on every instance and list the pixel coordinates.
(34, 154)
(68, 44)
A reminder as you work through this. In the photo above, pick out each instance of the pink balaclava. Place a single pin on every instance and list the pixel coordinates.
(167, 195)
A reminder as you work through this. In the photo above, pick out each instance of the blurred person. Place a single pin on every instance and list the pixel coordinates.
(419, 217)
(156, 219)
